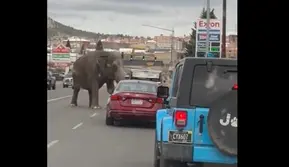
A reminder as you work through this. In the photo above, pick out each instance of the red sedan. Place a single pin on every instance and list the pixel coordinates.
(133, 100)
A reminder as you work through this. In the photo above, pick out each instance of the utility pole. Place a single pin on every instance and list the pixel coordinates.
(224, 28)
(208, 28)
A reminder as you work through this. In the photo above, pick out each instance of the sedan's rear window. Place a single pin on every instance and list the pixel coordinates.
(207, 86)
(137, 87)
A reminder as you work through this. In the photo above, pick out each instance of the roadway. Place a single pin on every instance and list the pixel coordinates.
(78, 136)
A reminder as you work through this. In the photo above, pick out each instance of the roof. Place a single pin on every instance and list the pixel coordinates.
(142, 63)
(149, 70)
(138, 81)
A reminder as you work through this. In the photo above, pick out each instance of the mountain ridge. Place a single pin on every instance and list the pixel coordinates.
(55, 28)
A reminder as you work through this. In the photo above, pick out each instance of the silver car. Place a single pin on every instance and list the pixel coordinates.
(67, 81)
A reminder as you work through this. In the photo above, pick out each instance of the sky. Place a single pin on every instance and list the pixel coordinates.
(128, 16)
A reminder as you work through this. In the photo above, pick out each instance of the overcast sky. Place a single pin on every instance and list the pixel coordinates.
(128, 16)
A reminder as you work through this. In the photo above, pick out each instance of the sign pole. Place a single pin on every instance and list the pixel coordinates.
(208, 29)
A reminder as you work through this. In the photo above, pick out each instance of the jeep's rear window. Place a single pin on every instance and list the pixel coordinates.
(208, 86)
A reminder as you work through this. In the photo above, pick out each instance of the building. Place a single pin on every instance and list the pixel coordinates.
(76, 42)
(151, 44)
(232, 46)
(166, 42)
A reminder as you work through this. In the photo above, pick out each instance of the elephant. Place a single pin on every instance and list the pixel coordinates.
(92, 71)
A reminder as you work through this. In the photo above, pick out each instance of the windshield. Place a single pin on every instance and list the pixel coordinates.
(137, 87)
(209, 86)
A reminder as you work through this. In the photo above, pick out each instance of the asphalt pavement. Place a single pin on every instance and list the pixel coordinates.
(78, 136)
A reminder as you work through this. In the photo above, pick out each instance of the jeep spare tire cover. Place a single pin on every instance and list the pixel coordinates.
(222, 123)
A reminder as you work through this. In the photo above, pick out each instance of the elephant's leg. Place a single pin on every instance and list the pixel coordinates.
(76, 90)
(90, 97)
(95, 97)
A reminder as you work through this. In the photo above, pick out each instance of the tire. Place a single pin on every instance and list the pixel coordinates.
(48, 87)
(64, 86)
(54, 87)
(108, 120)
(156, 153)
(224, 108)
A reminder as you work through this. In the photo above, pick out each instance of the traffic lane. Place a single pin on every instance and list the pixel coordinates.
(58, 92)
(62, 118)
(95, 144)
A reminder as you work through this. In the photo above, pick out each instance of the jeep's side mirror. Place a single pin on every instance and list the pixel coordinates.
(163, 92)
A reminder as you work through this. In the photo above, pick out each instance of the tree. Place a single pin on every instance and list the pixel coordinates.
(204, 14)
(191, 45)
(99, 45)
(68, 44)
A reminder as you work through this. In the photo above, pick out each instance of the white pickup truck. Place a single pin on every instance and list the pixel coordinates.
(146, 74)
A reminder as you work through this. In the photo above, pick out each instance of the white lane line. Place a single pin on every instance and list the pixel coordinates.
(52, 143)
(93, 115)
(77, 126)
(59, 98)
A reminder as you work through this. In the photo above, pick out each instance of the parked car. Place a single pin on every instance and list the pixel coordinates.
(133, 100)
(67, 81)
(51, 81)
(58, 76)
(200, 124)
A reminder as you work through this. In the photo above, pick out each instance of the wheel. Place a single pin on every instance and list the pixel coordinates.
(53, 87)
(108, 120)
(156, 153)
(64, 86)
(49, 87)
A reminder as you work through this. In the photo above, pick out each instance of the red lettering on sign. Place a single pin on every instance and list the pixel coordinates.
(212, 24)
(60, 49)
(203, 36)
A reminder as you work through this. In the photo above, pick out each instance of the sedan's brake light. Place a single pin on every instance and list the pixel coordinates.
(181, 117)
(235, 87)
(159, 100)
(114, 97)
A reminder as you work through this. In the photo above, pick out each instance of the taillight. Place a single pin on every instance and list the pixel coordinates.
(235, 87)
(181, 118)
(114, 97)
(159, 100)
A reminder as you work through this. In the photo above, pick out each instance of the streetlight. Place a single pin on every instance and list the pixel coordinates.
(172, 37)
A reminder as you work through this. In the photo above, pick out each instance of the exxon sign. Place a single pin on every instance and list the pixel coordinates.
(214, 24)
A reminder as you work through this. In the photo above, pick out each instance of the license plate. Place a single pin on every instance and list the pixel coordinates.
(180, 136)
(136, 102)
